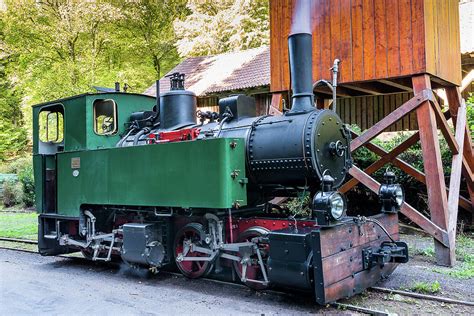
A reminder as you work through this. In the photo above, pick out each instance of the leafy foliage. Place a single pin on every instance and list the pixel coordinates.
(13, 136)
(470, 113)
(28, 185)
(51, 49)
(148, 30)
(218, 26)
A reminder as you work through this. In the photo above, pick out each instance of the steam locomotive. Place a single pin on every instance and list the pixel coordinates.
(136, 178)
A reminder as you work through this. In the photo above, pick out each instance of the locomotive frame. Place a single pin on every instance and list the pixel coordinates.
(160, 191)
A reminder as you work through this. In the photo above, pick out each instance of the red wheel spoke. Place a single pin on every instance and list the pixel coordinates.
(191, 269)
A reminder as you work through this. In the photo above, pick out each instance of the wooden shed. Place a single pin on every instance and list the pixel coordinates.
(381, 43)
(397, 51)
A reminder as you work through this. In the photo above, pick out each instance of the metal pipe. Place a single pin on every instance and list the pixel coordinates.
(157, 97)
(301, 73)
(423, 296)
(138, 135)
(335, 70)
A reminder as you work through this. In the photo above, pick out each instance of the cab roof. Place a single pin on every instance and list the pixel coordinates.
(89, 94)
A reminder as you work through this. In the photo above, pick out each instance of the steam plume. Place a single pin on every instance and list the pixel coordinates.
(301, 19)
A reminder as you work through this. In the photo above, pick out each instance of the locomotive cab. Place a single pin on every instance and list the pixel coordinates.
(83, 122)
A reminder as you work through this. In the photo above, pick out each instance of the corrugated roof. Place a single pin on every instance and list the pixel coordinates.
(466, 21)
(225, 72)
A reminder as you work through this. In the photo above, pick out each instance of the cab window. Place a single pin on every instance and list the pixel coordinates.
(51, 125)
(105, 117)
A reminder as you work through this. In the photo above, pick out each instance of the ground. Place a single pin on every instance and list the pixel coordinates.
(55, 285)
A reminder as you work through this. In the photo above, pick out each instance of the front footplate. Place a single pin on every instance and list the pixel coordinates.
(353, 256)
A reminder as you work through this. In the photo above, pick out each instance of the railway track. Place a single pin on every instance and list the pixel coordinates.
(359, 309)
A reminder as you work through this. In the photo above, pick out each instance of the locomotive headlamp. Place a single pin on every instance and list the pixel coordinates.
(328, 205)
(391, 194)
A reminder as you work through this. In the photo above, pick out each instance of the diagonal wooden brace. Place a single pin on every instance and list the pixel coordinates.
(405, 109)
(385, 158)
(406, 209)
(455, 101)
(456, 169)
(444, 127)
(402, 165)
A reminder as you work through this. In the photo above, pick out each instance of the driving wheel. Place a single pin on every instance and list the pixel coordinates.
(254, 271)
(191, 233)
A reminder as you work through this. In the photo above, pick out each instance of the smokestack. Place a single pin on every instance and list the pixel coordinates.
(300, 53)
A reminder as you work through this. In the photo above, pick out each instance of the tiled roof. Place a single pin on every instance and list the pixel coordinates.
(225, 72)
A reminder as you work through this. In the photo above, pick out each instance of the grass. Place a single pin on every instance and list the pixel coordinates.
(426, 288)
(19, 225)
(464, 268)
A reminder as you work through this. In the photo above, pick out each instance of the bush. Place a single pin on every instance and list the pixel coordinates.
(15, 166)
(23, 167)
(12, 193)
(28, 185)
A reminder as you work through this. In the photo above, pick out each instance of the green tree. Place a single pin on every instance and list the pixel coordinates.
(13, 136)
(60, 45)
(218, 26)
(148, 30)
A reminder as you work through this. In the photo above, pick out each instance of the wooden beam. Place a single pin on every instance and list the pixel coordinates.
(276, 106)
(386, 158)
(396, 85)
(444, 127)
(454, 101)
(380, 126)
(467, 80)
(341, 91)
(365, 88)
(456, 170)
(435, 184)
(408, 169)
(428, 226)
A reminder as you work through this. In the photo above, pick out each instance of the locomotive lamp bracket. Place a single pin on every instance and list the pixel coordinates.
(329, 206)
(391, 194)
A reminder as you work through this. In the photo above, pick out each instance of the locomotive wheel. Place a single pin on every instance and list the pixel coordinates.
(253, 271)
(191, 269)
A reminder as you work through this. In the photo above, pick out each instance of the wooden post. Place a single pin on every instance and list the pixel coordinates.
(320, 103)
(456, 169)
(435, 184)
(276, 106)
(454, 100)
